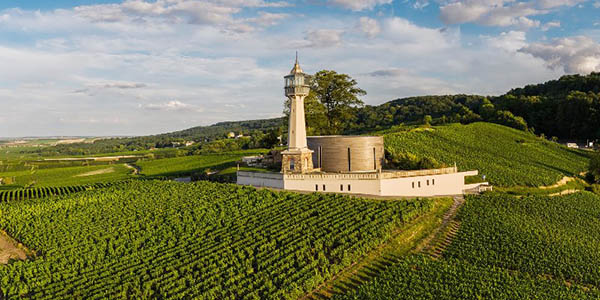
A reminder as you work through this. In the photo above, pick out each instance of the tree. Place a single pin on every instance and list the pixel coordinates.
(427, 120)
(338, 95)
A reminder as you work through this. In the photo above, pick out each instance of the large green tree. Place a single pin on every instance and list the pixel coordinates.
(595, 168)
(331, 104)
(338, 97)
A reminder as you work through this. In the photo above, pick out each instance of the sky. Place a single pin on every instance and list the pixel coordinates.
(140, 67)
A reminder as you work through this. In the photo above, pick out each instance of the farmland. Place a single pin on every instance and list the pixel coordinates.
(69, 176)
(507, 157)
(202, 240)
(186, 165)
(507, 248)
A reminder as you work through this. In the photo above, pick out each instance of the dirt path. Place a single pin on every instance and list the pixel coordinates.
(136, 169)
(96, 172)
(404, 240)
(429, 244)
(9, 249)
(565, 192)
(561, 182)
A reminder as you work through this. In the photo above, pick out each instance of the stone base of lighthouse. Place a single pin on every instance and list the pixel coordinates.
(297, 161)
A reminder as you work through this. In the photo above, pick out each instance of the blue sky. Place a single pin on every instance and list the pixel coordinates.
(141, 67)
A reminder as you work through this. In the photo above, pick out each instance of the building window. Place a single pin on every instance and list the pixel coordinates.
(374, 159)
(292, 164)
(341, 187)
(432, 181)
(349, 161)
(427, 181)
(413, 184)
(323, 187)
(419, 184)
(316, 187)
(348, 188)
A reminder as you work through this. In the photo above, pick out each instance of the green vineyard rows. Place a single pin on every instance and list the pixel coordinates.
(203, 240)
(507, 156)
(557, 236)
(533, 247)
(420, 277)
(46, 191)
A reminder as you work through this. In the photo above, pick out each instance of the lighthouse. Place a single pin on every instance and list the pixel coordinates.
(297, 158)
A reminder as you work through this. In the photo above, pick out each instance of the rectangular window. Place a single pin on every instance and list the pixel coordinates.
(374, 159)
(419, 184)
(323, 187)
(427, 181)
(432, 181)
(348, 188)
(413, 185)
(316, 187)
(349, 158)
(341, 187)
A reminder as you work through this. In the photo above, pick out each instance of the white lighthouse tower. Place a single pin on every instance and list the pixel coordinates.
(297, 158)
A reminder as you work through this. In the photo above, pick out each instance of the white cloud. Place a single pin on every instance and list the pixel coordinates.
(510, 41)
(596, 4)
(549, 25)
(358, 5)
(499, 12)
(579, 54)
(370, 27)
(322, 38)
(420, 4)
(173, 105)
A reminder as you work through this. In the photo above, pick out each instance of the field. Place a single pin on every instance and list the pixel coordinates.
(187, 165)
(69, 176)
(507, 248)
(203, 240)
(507, 157)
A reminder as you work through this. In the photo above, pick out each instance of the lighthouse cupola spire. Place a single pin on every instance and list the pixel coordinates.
(297, 157)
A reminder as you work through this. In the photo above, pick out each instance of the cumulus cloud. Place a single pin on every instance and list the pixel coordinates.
(549, 25)
(370, 27)
(420, 4)
(510, 41)
(579, 54)
(358, 5)
(499, 12)
(322, 38)
(173, 105)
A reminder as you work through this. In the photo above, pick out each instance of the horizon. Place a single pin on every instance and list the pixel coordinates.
(135, 68)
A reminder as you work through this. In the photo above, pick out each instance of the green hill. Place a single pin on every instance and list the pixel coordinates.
(506, 156)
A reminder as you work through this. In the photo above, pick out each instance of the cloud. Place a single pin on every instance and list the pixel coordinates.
(501, 13)
(578, 54)
(596, 4)
(322, 38)
(549, 25)
(510, 41)
(206, 12)
(370, 27)
(124, 85)
(173, 105)
(358, 5)
(420, 4)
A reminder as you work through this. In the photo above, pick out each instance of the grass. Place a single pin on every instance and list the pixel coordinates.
(67, 176)
(188, 165)
(508, 157)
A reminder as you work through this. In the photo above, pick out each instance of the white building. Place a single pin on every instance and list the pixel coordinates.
(347, 164)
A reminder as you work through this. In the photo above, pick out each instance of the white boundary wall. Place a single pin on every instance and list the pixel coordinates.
(422, 183)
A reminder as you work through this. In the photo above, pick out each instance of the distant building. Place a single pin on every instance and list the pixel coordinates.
(231, 135)
(347, 164)
(573, 145)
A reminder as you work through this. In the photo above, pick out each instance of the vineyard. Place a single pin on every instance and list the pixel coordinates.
(534, 247)
(69, 176)
(556, 236)
(203, 240)
(421, 277)
(507, 157)
(41, 192)
(187, 165)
